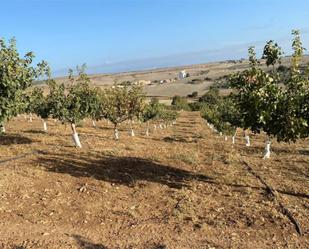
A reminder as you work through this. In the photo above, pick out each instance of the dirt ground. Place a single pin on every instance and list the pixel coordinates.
(181, 187)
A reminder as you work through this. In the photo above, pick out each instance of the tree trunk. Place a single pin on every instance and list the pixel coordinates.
(225, 138)
(2, 128)
(116, 133)
(267, 149)
(75, 137)
(247, 138)
(131, 129)
(44, 125)
(155, 127)
(94, 124)
(30, 118)
(147, 130)
(132, 133)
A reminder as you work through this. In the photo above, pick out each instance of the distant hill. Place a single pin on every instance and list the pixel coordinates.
(165, 82)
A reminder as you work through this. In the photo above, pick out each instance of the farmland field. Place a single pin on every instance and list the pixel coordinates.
(181, 187)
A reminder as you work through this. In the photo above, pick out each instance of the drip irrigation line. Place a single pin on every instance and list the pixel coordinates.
(34, 152)
(283, 209)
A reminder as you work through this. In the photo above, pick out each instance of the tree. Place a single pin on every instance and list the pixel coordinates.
(123, 102)
(16, 75)
(180, 103)
(193, 95)
(40, 105)
(211, 97)
(97, 108)
(293, 110)
(222, 116)
(168, 116)
(272, 53)
(151, 111)
(280, 112)
(136, 105)
(74, 102)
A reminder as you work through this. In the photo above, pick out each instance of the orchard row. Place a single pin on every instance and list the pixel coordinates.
(70, 102)
(265, 100)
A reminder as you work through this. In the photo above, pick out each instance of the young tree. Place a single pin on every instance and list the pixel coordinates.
(222, 117)
(180, 103)
(293, 110)
(97, 108)
(272, 53)
(257, 97)
(72, 103)
(41, 106)
(168, 116)
(136, 105)
(281, 112)
(211, 97)
(152, 111)
(123, 102)
(16, 75)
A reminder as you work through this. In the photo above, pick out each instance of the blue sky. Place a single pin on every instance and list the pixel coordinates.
(121, 35)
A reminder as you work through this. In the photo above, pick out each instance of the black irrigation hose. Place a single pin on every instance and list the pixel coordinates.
(284, 210)
(34, 152)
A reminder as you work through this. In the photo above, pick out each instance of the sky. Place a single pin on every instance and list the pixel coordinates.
(124, 35)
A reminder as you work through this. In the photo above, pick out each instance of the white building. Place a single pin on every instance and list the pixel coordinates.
(182, 74)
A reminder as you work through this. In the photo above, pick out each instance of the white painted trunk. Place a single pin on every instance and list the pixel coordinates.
(76, 140)
(225, 138)
(147, 132)
(220, 133)
(3, 129)
(267, 150)
(155, 127)
(161, 127)
(233, 139)
(116, 134)
(44, 126)
(30, 118)
(132, 133)
(94, 124)
(247, 140)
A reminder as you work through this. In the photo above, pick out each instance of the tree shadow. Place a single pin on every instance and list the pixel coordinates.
(119, 170)
(176, 139)
(300, 151)
(35, 132)
(8, 139)
(84, 243)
